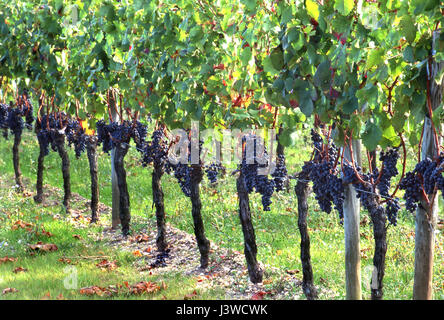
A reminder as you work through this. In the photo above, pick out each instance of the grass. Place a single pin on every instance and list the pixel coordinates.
(277, 234)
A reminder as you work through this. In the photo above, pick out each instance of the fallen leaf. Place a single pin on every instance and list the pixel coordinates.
(43, 247)
(259, 295)
(294, 271)
(144, 287)
(65, 260)
(137, 253)
(46, 233)
(7, 259)
(20, 269)
(47, 296)
(108, 265)
(77, 236)
(190, 295)
(9, 290)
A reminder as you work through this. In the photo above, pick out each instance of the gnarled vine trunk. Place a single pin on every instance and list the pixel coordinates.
(379, 220)
(250, 249)
(60, 143)
(91, 151)
(302, 190)
(160, 207)
(199, 231)
(16, 161)
(38, 198)
(121, 150)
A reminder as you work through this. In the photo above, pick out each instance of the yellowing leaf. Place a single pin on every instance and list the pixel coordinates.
(312, 9)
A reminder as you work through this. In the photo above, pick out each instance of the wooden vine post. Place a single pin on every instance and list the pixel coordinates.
(351, 231)
(426, 214)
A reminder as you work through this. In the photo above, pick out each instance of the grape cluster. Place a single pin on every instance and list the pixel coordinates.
(3, 116)
(251, 165)
(182, 171)
(110, 134)
(12, 117)
(156, 151)
(213, 171)
(327, 186)
(280, 173)
(364, 187)
(389, 170)
(76, 136)
(50, 126)
(427, 175)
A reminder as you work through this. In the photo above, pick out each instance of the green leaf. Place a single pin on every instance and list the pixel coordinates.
(371, 136)
(306, 106)
(322, 77)
(408, 28)
(344, 6)
(246, 56)
(408, 54)
(375, 57)
(277, 58)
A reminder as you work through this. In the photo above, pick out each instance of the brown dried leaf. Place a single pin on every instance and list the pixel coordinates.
(9, 290)
(43, 247)
(47, 296)
(294, 271)
(7, 259)
(20, 269)
(144, 287)
(77, 236)
(65, 260)
(108, 265)
(190, 295)
(259, 295)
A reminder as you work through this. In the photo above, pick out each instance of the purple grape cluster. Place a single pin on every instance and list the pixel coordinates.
(327, 186)
(76, 136)
(110, 134)
(280, 173)
(389, 170)
(251, 165)
(49, 126)
(12, 117)
(427, 175)
(3, 116)
(213, 171)
(156, 150)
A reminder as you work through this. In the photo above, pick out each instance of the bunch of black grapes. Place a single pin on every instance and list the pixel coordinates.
(280, 173)
(254, 169)
(75, 134)
(213, 170)
(183, 171)
(365, 190)
(109, 135)
(12, 117)
(156, 150)
(327, 186)
(3, 116)
(50, 127)
(426, 177)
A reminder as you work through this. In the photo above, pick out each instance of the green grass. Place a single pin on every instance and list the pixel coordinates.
(47, 275)
(277, 234)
